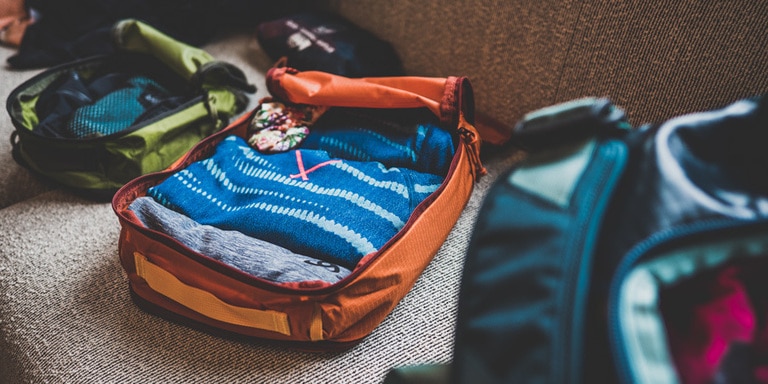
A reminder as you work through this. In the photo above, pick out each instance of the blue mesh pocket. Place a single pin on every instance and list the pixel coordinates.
(117, 110)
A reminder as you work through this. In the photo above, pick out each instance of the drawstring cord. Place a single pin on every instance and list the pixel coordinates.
(303, 173)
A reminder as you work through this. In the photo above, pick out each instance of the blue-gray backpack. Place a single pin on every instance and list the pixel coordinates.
(615, 254)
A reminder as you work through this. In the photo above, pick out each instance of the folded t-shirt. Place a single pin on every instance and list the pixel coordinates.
(396, 138)
(253, 256)
(332, 209)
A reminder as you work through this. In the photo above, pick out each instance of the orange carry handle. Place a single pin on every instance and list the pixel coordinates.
(451, 99)
(321, 88)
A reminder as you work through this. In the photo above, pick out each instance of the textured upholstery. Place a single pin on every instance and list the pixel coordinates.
(655, 60)
(65, 312)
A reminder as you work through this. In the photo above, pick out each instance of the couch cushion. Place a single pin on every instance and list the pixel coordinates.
(656, 61)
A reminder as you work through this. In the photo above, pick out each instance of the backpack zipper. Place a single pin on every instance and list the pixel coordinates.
(611, 157)
(133, 128)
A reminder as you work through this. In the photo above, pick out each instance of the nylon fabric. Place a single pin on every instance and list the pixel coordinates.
(205, 303)
(345, 313)
(227, 286)
(113, 133)
(159, 144)
(139, 37)
(320, 88)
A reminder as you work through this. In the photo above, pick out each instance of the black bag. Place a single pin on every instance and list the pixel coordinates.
(621, 255)
(329, 43)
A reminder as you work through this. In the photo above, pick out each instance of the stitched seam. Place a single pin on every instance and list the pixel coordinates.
(567, 53)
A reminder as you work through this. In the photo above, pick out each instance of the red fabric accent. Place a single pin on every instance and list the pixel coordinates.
(302, 172)
(300, 163)
(761, 374)
(724, 316)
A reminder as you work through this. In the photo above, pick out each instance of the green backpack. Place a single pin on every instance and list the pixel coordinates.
(94, 124)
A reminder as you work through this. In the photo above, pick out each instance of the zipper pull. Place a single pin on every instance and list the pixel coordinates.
(472, 141)
(213, 111)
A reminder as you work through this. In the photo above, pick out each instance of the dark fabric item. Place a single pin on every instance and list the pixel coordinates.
(530, 248)
(394, 139)
(303, 200)
(642, 207)
(41, 48)
(61, 98)
(326, 42)
(419, 374)
(698, 166)
(72, 29)
(694, 167)
(256, 257)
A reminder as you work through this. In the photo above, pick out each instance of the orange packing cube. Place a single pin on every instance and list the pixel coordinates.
(321, 198)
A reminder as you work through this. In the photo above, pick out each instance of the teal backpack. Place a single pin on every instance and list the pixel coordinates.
(94, 124)
(615, 254)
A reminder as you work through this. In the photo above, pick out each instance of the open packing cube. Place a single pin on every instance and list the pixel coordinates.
(308, 219)
(96, 123)
(622, 255)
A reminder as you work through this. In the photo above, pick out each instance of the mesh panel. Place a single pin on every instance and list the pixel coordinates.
(117, 110)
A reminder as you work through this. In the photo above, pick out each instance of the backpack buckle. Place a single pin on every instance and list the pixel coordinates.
(568, 122)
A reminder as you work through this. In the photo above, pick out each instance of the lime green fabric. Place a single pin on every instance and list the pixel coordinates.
(156, 146)
(107, 162)
(136, 36)
(28, 116)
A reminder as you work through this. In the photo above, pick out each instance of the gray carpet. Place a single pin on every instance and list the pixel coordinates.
(66, 315)
(16, 183)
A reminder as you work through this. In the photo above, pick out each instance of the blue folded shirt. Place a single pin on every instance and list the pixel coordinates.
(332, 209)
(399, 138)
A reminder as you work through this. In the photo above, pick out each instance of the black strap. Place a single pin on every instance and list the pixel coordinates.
(568, 122)
(16, 149)
(222, 74)
(107, 84)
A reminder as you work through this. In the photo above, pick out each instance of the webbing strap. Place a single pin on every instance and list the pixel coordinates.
(316, 328)
(570, 122)
(205, 303)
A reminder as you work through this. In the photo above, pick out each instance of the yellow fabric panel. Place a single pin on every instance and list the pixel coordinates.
(206, 303)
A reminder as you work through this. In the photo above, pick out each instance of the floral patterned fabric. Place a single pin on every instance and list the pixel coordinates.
(277, 127)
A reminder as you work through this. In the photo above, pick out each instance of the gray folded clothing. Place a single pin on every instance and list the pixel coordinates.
(253, 256)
